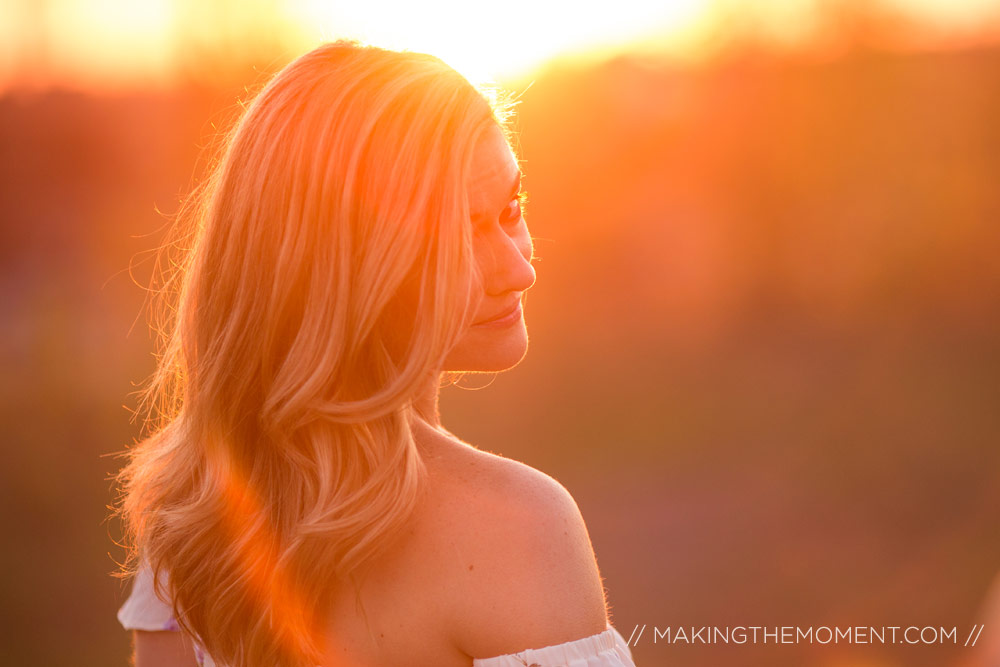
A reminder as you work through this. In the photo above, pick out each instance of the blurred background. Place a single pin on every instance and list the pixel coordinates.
(765, 351)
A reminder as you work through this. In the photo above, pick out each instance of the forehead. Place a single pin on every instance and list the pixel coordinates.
(495, 174)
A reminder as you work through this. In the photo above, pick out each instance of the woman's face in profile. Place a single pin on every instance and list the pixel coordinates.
(497, 339)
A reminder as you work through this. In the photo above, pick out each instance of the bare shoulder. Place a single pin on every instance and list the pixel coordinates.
(524, 570)
(162, 649)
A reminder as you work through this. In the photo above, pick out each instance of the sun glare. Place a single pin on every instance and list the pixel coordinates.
(85, 43)
(487, 41)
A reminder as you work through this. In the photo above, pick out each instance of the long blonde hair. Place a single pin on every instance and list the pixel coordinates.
(321, 285)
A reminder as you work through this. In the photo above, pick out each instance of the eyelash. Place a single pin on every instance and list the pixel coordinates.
(520, 199)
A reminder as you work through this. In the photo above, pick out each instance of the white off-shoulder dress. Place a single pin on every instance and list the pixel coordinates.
(143, 610)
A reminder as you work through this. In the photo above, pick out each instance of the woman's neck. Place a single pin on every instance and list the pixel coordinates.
(426, 403)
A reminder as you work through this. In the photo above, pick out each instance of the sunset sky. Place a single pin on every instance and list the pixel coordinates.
(122, 43)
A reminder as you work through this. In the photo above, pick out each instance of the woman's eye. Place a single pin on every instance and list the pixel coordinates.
(512, 213)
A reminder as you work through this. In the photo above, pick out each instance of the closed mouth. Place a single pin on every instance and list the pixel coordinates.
(502, 316)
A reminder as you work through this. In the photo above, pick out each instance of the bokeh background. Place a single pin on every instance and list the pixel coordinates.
(765, 351)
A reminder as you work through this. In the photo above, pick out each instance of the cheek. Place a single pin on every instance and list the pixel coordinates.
(484, 265)
(471, 290)
(483, 256)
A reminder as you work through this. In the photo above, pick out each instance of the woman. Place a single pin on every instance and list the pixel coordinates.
(361, 235)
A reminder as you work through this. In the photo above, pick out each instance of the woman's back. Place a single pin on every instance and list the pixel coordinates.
(496, 560)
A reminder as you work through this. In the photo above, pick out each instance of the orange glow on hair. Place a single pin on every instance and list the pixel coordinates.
(319, 292)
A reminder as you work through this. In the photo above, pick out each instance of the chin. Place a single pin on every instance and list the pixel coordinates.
(483, 353)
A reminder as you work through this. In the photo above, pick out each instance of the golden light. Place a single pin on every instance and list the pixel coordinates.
(496, 40)
(92, 42)
(115, 43)
(956, 14)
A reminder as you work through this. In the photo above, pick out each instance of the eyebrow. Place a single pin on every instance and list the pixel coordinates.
(514, 191)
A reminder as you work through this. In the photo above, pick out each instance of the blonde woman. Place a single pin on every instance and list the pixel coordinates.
(298, 501)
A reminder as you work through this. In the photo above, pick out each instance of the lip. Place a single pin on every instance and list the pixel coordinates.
(504, 319)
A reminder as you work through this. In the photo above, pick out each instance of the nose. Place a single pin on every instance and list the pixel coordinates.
(511, 269)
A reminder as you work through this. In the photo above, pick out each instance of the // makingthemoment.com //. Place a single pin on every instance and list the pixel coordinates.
(792, 634)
